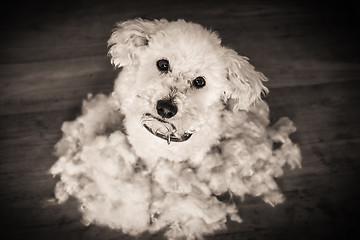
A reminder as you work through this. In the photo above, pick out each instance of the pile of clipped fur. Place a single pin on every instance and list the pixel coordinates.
(98, 167)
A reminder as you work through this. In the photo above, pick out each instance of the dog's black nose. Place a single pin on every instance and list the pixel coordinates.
(166, 108)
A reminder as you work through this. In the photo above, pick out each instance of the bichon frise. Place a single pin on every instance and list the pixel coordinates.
(183, 126)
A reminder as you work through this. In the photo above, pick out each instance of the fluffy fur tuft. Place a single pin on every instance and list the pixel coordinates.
(132, 169)
(245, 83)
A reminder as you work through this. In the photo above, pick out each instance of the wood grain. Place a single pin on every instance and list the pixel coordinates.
(53, 54)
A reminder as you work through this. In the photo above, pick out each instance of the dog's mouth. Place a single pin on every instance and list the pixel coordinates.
(164, 129)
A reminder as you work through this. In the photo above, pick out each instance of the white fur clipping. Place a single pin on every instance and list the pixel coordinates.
(113, 187)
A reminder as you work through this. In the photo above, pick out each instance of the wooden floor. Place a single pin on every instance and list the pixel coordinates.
(53, 54)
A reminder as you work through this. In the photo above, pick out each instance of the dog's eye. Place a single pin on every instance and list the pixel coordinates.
(163, 65)
(199, 82)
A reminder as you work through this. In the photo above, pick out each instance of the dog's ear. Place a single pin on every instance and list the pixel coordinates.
(244, 83)
(129, 37)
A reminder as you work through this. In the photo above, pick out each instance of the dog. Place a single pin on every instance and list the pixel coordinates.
(184, 125)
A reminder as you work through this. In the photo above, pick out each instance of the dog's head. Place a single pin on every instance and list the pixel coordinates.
(177, 79)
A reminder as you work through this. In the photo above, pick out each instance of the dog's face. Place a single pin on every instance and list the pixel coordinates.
(176, 81)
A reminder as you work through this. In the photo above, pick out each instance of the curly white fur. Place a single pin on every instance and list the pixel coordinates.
(127, 178)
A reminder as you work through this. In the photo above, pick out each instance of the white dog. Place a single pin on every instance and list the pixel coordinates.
(182, 126)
